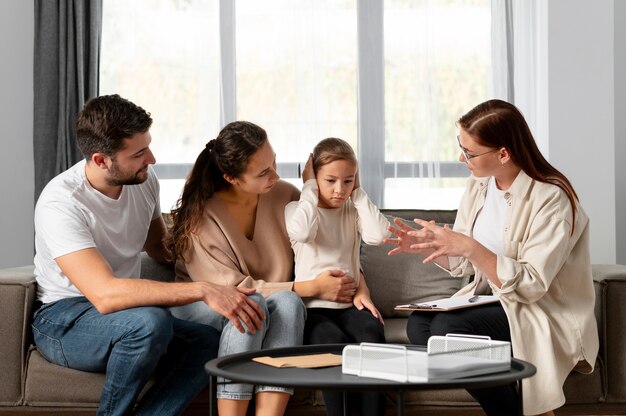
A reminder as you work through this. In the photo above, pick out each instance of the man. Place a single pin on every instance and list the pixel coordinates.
(92, 222)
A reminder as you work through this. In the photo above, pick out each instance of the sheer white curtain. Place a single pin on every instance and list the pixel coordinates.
(502, 49)
(438, 65)
(530, 66)
(296, 73)
(519, 47)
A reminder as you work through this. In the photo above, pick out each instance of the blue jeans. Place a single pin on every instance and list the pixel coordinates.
(130, 346)
(283, 327)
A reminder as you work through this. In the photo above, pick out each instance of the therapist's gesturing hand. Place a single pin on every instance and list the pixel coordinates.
(407, 238)
(440, 241)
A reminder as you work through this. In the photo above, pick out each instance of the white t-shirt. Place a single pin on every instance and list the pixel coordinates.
(71, 215)
(489, 227)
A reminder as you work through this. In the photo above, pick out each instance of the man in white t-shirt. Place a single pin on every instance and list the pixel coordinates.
(93, 312)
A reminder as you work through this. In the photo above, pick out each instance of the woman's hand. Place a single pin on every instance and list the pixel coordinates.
(438, 241)
(406, 238)
(308, 172)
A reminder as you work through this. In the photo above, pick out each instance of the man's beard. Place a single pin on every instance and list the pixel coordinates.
(117, 177)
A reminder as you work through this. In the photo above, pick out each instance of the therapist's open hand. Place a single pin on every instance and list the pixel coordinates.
(439, 241)
(406, 238)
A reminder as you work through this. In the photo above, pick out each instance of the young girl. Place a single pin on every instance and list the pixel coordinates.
(325, 228)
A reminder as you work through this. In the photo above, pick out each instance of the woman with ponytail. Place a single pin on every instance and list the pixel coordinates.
(229, 229)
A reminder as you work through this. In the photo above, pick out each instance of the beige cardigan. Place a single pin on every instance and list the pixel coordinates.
(220, 253)
(547, 286)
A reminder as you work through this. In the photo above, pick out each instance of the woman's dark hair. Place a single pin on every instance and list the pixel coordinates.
(331, 149)
(227, 154)
(496, 124)
(104, 123)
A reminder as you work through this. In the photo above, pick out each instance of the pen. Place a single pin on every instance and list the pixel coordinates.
(473, 298)
(299, 171)
(422, 306)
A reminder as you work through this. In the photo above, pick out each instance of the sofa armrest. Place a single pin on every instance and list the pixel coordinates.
(610, 282)
(17, 293)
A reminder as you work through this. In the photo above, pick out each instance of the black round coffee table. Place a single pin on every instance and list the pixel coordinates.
(240, 368)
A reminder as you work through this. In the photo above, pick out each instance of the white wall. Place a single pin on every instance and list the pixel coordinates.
(586, 108)
(16, 132)
(581, 111)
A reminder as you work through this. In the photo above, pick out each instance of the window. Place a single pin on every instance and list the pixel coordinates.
(296, 72)
(437, 67)
(164, 56)
(292, 66)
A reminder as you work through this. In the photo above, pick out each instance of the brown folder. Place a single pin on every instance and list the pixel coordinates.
(301, 361)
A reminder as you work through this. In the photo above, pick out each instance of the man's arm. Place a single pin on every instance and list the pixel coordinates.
(154, 244)
(93, 276)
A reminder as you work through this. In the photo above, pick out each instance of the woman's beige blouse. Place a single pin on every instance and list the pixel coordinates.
(222, 254)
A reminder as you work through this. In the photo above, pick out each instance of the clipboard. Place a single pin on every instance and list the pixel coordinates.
(449, 304)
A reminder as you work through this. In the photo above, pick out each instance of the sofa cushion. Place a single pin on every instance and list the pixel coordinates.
(77, 389)
(395, 331)
(586, 388)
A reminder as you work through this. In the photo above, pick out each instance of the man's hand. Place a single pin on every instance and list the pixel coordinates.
(235, 304)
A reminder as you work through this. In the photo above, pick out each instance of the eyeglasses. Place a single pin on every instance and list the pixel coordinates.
(469, 157)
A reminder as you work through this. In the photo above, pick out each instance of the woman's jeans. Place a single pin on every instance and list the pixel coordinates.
(283, 327)
(487, 320)
(130, 346)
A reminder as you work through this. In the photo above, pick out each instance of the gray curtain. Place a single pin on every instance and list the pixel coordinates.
(66, 65)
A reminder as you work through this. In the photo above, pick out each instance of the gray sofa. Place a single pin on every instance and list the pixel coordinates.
(31, 385)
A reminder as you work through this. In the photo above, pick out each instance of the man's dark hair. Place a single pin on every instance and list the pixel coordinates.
(104, 123)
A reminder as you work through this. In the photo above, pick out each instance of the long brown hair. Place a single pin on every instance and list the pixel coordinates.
(496, 124)
(227, 154)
